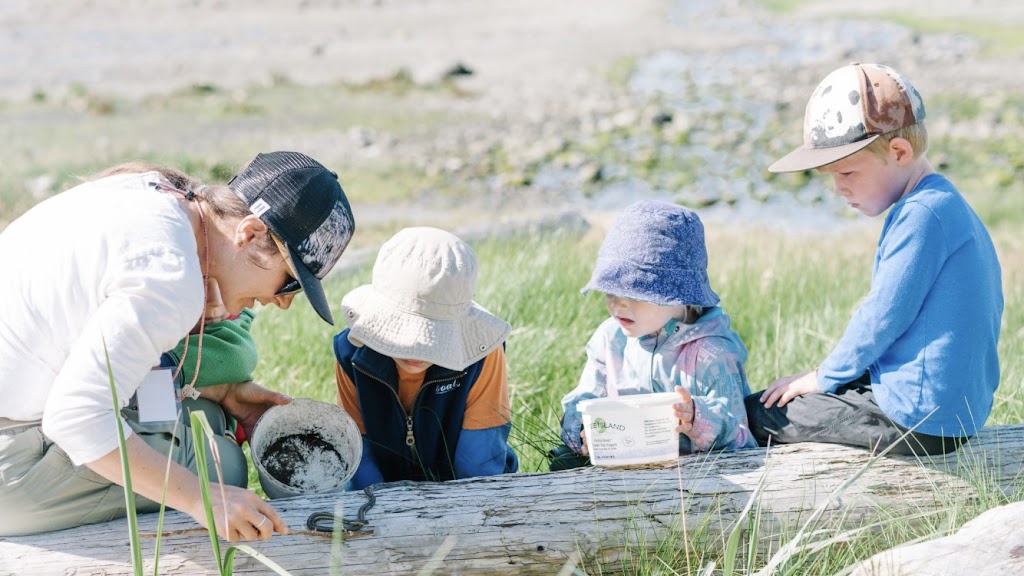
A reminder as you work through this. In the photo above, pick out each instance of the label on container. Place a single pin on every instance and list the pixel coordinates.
(631, 436)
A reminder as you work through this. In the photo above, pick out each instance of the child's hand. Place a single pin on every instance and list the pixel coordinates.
(583, 442)
(246, 401)
(785, 389)
(684, 411)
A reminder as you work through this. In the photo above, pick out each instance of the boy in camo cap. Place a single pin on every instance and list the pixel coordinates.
(920, 351)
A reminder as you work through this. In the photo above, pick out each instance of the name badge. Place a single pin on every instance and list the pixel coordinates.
(156, 397)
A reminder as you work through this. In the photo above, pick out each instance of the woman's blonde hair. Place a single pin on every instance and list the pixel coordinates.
(219, 198)
(916, 134)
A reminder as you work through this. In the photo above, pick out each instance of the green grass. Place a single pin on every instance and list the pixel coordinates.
(209, 127)
(785, 6)
(999, 39)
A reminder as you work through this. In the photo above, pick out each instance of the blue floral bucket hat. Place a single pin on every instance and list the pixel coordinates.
(654, 252)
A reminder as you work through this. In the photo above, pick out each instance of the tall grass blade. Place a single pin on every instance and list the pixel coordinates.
(733, 542)
(336, 538)
(229, 560)
(129, 494)
(682, 512)
(569, 568)
(163, 501)
(437, 558)
(200, 430)
(676, 573)
(796, 544)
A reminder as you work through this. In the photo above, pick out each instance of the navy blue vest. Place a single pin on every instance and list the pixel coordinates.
(427, 450)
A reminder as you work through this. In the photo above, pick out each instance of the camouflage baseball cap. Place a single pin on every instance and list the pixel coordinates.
(850, 109)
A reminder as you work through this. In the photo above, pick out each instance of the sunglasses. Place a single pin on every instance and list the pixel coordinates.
(292, 286)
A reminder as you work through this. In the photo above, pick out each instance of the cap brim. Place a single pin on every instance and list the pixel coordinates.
(804, 158)
(311, 287)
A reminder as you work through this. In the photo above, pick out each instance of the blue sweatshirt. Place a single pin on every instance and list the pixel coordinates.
(929, 328)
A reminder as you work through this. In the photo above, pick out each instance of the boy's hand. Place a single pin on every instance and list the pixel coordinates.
(785, 389)
(583, 442)
(684, 411)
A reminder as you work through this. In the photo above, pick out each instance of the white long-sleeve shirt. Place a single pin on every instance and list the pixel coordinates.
(110, 266)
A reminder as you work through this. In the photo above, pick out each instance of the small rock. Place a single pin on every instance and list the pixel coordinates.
(456, 70)
(453, 164)
(590, 173)
(41, 187)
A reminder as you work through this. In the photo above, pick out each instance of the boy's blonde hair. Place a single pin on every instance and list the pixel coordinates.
(916, 134)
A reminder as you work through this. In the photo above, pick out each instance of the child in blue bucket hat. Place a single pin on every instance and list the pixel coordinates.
(666, 332)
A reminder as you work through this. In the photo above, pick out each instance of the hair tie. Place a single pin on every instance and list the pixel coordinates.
(191, 194)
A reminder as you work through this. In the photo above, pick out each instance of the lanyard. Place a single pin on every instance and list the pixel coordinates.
(190, 391)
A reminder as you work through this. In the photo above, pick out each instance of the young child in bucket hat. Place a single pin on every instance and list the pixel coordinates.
(421, 366)
(920, 351)
(666, 332)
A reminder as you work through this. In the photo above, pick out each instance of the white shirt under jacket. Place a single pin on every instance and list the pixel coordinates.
(113, 261)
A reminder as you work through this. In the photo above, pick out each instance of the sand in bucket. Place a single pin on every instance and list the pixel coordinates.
(305, 447)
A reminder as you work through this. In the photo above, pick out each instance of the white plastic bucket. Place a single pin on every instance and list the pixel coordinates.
(305, 447)
(628, 430)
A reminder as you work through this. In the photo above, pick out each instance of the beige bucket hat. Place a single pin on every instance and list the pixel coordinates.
(420, 305)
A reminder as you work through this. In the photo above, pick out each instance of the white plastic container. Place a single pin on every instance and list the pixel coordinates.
(629, 430)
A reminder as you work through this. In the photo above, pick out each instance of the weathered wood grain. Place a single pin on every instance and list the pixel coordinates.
(992, 544)
(533, 523)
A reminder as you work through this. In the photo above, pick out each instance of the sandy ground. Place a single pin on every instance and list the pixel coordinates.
(523, 49)
(526, 48)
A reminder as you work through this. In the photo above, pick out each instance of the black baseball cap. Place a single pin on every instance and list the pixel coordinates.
(303, 204)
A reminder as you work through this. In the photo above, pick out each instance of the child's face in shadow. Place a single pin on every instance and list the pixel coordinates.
(867, 182)
(639, 318)
(412, 366)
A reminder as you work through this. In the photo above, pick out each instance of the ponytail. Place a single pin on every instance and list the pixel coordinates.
(218, 197)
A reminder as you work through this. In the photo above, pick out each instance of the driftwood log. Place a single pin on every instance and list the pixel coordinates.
(992, 544)
(540, 523)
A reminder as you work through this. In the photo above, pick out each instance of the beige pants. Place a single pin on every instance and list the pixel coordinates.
(41, 490)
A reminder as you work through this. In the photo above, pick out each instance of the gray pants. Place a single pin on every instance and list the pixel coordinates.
(41, 490)
(847, 416)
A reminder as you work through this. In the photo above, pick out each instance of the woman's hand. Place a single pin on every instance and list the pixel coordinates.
(246, 401)
(239, 514)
